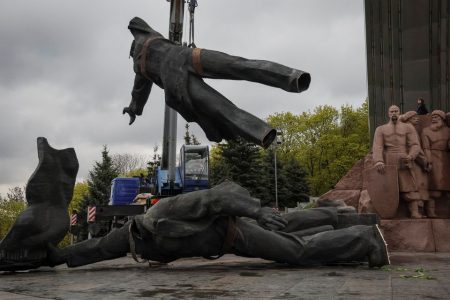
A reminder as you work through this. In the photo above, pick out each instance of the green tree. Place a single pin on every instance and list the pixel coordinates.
(99, 189)
(326, 142)
(10, 208)
(80, 192)
(274, 189)
(242, 163)
(254, 169)
(99, 181)
(292, 183)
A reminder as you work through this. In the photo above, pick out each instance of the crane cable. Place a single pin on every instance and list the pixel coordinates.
(192, 4)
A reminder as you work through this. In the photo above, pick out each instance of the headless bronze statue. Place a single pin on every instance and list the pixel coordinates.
(180, 70)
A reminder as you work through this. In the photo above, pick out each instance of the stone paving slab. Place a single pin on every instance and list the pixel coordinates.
(233, 277)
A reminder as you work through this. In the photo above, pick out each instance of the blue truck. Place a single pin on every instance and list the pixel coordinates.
(192, 173)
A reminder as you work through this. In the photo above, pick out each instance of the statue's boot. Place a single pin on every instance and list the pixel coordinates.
(414, 210)
(431, 213)
(45, 221)
(379, 255)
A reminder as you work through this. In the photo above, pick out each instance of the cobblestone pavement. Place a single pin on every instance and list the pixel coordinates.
(411, 276)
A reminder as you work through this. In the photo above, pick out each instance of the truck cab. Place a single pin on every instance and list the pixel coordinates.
(192, 172)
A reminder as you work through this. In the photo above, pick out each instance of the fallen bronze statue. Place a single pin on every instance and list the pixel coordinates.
(209, 223)
(180, 70)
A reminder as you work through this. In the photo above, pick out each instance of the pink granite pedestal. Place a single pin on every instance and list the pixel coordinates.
(424, 235)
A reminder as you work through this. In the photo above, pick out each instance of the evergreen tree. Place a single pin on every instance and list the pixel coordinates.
(99, 187)
(10, 208)
(295, 182)
(272, 189)
(292, 186)
(254, 169)
(242, 163)
(99, 181)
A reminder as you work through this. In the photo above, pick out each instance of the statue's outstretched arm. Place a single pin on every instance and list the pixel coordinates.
(141, 91)
(225, 199)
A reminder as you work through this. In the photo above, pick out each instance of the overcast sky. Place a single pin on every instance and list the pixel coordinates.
(65, 72)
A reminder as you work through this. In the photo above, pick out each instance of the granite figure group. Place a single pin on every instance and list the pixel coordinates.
(419, 153)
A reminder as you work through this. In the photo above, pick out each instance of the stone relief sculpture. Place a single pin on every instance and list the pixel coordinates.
(180, 71)
(420, 171)
(397, 144)
(436, 144)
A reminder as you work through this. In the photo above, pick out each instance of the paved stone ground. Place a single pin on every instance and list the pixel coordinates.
(411, 276)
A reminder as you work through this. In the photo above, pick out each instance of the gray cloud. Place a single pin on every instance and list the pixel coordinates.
(65, 72)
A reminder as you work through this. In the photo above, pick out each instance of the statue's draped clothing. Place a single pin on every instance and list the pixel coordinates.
(437, 144)
(179, 71)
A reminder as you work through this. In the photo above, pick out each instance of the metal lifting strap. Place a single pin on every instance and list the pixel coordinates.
(133, 244)
(196, 62)
(143, 56)
(192, 4)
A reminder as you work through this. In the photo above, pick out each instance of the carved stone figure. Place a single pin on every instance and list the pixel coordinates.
(396, 143)
(179, 71)
(45, 221)
(420, 171)
(435, 140)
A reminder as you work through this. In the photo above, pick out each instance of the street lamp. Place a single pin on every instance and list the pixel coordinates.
(278, 142)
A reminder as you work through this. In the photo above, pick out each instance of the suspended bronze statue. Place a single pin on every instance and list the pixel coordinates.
(180, 70)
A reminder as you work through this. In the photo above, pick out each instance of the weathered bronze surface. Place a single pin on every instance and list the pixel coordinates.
(45, 221)
(180, 70)
(208, 224)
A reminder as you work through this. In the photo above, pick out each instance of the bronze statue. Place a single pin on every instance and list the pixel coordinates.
(207, 223)
(180, 70)
(435, 141)
(397, 144)
(45, 221)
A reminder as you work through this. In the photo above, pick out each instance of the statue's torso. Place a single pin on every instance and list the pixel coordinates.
(395, 138)
(207, 243)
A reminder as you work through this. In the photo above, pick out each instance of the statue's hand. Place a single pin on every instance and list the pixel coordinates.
(271, 219)
(380, 167)
(130, 112)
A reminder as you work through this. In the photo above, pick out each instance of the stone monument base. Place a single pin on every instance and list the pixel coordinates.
(424, 235)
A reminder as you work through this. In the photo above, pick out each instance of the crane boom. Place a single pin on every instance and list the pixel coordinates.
(168, 160)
